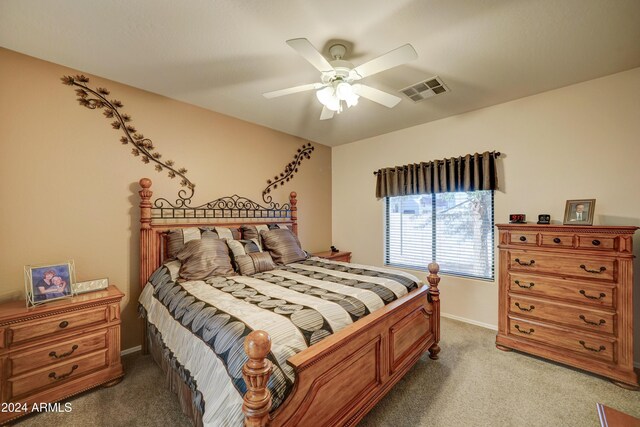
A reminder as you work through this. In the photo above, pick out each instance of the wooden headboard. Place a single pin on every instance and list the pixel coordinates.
(159, 216)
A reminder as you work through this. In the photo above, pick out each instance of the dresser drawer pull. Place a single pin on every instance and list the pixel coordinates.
(557, 240)
(63, 324)
(595, 242)
(524, 308)
(531, 284)
(597, 350)
(602, 269)
(63, 376)
(523, 239)
(68, 353)
(524, 262)
(602, 295)
(589, 322)
(522, 331)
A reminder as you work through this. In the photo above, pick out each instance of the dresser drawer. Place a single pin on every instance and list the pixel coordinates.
(524, 238)
(599, 295)
(57, 324)
(601, 348)
(55, 375)
(575, 316)
(29, 360)
(602, 243)
(556, 240)
(576, 265)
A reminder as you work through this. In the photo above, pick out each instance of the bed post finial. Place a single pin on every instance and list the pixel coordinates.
(256, 372)
(145, 203)
(434, 293)
(293, 202)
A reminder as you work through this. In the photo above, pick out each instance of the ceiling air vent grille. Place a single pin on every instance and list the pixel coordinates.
(420, 91)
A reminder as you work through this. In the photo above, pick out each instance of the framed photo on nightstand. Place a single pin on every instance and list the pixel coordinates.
(46, 283)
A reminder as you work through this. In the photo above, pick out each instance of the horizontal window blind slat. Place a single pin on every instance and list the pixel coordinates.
(453, 229)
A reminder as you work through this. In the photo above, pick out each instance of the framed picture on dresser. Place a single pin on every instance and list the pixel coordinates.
(579, 212)
(46, 283)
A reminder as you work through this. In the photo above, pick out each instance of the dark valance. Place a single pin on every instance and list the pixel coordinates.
(472, 172)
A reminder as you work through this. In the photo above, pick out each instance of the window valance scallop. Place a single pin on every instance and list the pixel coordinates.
(472, 172)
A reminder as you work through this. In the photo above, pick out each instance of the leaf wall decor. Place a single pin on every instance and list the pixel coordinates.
(142, 147)
(290, 170)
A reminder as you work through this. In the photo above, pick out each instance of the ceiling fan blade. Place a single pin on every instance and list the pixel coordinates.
(396, 57)
(311, 54)
(295, 89)
(326, 113)
(376, 95)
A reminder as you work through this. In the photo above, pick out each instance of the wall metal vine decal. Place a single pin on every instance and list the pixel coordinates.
(290, 170)
(143, 147)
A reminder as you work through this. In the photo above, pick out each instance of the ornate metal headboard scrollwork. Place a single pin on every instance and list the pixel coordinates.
(160, 215)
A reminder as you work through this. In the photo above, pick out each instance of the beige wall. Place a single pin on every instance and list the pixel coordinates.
(68, 185)
(581, 141)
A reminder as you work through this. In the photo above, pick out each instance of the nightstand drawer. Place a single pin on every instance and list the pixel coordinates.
(54, 375)
(602, 243)
(29, 360)
(57, 324)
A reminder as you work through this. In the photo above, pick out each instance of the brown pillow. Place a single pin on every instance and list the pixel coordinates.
(283, 246)
(256, 262)
(204, 258)
(177, 238)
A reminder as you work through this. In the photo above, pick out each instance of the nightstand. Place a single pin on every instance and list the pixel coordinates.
(55, 350)
(335, 256)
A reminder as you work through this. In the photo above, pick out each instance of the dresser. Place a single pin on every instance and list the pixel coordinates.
(565, 294)
(335, 256)
(56, 350)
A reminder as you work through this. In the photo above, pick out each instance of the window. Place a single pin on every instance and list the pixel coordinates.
(453, 229)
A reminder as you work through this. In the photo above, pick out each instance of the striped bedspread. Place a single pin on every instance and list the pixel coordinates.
(202, 325)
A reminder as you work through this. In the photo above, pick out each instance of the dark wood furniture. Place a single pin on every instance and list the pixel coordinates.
(335, 256)
(339, 379)
(566, 294)
(53, 351)
(609, 417)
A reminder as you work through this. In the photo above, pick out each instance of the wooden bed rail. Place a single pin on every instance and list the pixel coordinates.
(256, 372)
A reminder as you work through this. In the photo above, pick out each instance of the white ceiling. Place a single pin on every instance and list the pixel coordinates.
(223, 54)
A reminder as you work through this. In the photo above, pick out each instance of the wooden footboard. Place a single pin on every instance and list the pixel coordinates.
(341, 378)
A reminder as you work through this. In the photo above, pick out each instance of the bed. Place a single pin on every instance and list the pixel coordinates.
(314, 341)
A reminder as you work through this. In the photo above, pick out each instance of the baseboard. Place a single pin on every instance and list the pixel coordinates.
(473, 322)
(131, 350)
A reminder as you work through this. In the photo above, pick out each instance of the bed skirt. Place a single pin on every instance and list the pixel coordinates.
(190, 400)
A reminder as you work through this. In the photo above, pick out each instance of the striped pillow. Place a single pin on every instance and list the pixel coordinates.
(204, 258)
(283, 246)
(252, 232)
(177, 238)
(253, 263)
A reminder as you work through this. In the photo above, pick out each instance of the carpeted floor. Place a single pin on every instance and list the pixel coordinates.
(472, 384)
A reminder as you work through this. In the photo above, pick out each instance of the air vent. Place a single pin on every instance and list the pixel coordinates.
(426, 89)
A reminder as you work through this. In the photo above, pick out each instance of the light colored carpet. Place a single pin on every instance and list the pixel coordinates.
(472, 384)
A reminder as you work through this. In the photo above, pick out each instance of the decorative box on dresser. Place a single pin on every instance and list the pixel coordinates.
(335, 256)
(58, 349)
(565, 294)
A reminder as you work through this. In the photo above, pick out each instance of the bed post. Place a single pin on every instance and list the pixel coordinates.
(434, 293)
(293, 202)
(256, 372)
(146, 234)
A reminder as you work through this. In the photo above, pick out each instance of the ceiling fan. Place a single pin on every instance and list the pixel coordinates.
(337, 86)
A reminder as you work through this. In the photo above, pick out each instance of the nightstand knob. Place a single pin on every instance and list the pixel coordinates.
(557, 240)
(523, 239)
(63, 324)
